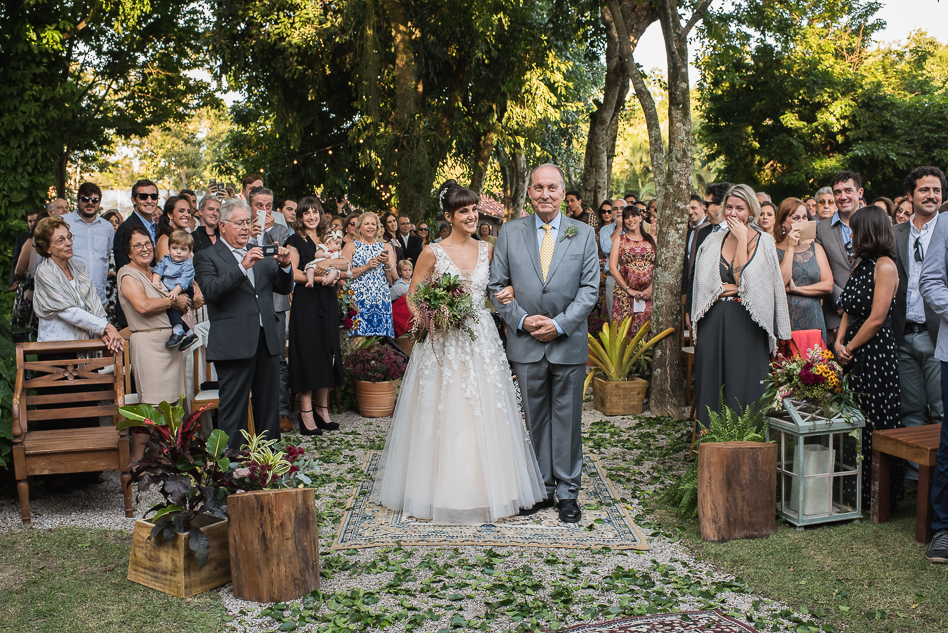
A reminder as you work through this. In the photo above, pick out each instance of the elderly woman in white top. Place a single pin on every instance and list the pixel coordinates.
(65, 300)
(739, 308)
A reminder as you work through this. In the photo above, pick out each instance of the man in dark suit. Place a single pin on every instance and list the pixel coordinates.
(697, 220)
(244, 341)
(411, 244)
(145, 205)
(914, 323)
(836, 238)
(714, 198)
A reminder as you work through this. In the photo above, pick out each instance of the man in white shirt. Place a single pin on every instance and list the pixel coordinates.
(914, 324)
(92, 236)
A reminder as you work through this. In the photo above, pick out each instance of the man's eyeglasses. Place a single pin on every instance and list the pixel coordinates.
(91, 199)
(144, 246)
(147, 196)
(63, 240)
(240, 223)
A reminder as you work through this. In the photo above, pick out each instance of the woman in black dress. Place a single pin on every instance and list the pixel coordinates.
(315, 359)
(865, 345)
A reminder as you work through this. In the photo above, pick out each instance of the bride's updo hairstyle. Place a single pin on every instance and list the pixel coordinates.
(452, 196)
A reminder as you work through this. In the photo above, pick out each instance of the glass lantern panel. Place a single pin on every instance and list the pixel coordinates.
(785, 486)
(845, 493)
(846, 461)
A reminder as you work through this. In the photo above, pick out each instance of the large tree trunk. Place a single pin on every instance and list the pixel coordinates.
(672, 169)
(513, 173)
(483, 148)
(624, 23)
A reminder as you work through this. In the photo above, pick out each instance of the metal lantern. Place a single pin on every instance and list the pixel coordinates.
(819, 475)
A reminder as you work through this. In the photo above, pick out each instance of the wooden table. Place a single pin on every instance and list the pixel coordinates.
(917, 444)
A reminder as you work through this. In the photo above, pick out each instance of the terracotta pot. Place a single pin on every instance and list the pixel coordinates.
(375, 399)
(624, 397)
(172, 567)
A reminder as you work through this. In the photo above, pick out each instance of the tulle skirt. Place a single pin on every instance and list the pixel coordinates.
(458, 451)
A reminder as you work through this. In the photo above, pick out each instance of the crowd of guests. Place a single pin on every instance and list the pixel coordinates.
(754, 273)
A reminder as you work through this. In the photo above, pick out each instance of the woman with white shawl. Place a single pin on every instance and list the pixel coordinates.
(64, 298)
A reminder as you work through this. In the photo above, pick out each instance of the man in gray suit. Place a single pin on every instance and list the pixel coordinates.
(914, 323)
(836, 238)
(260, 200)
(244, 341)
(553, 265)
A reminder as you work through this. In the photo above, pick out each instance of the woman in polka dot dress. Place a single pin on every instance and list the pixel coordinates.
(866, 345)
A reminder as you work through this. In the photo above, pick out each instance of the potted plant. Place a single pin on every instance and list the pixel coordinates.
(375, 370)
(731, 486)
(273, 534)
(615, 356)
(193, 477)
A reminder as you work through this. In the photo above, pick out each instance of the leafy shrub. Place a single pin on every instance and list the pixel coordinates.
(726, 425)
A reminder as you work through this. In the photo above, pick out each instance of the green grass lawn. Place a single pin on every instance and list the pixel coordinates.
(856, 577)
(73, 580)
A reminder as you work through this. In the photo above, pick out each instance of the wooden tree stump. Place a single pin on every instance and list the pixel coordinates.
(737, 490)
(274, 544)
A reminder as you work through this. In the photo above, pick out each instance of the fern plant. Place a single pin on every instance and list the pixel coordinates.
(726, 425)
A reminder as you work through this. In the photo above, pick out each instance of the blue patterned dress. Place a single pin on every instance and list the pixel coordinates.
(372, 295)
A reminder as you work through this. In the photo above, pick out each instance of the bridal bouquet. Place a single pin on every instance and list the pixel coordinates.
(442, 303)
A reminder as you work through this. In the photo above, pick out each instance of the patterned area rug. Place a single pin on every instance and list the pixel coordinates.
(605, 522)
(686, 622)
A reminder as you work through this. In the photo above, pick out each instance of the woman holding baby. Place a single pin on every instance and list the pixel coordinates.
(315, 359)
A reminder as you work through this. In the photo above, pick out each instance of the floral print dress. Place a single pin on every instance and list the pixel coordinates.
(372, 295)
(636, 264)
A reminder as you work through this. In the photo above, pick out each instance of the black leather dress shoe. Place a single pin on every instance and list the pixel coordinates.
(569, 511)
(543, 504)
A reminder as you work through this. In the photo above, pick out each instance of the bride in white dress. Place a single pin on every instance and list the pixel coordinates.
(458, 451)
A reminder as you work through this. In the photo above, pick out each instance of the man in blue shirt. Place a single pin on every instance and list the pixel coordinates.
(145, 204)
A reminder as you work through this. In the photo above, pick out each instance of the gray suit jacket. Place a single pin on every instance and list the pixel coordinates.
(236, 307)
(904, 252)
(278, 234)
(568, 295)
(831, 239)
(933, 283)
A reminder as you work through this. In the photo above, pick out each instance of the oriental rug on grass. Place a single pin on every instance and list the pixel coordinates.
(605, 522)
(685, 622)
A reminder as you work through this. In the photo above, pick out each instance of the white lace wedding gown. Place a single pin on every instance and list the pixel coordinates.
(458, 451)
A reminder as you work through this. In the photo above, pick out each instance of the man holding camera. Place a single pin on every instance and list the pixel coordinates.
(244, 342)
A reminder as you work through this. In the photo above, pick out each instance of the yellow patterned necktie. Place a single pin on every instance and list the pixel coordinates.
(546, 251)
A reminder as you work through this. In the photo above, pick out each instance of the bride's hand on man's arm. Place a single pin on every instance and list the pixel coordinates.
(505, 296)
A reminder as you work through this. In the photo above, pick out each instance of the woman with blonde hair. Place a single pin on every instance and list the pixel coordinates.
(372, 270)
(739, 308)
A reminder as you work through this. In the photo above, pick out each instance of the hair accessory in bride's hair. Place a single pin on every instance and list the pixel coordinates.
(444, 192)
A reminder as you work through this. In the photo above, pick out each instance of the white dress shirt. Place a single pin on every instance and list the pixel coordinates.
(92, 245)
(915, 306)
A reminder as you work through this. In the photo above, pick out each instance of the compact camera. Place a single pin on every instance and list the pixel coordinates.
(270, 249)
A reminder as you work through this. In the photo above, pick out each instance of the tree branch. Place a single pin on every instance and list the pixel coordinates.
(695, 17)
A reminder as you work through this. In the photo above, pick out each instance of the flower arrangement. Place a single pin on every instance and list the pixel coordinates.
(442, 303)
(348, 311)
(262, 467)
(812, 377)
(375, 362)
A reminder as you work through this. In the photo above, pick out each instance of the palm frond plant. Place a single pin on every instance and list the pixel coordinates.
(615, 354)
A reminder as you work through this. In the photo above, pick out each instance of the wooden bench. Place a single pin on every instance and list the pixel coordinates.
(917, 444)
(67, 383)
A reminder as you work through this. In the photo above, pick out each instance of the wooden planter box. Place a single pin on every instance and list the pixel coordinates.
(737, 490)
(624, 397)
(172, 567)
(375, 399)
(274, 544)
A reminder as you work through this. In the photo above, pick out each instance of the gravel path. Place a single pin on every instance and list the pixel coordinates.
(433, 587)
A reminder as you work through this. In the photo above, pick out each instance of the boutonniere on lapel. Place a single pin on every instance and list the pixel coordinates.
(570, 231)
